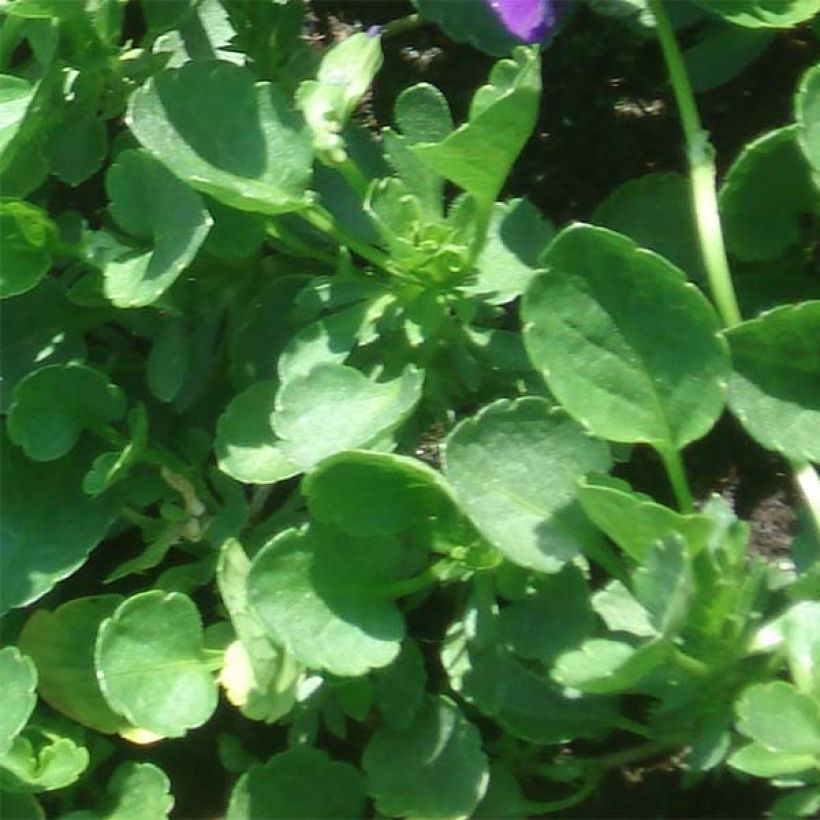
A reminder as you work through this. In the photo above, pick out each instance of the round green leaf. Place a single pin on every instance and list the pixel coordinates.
(334, 407)
(760, 761)
(151, 665)
(298, 783)
(368, 494)
(246, 446)
(18, 691)
(514, 468)
(766, 196)
(775, 387)
(61, 644)
(167, 364)
(434, 768)
(399, 689)
(77, 148)
(321, 596)
(606, 324)
(54, 404)
(150, 203)
(26, 234)
(808, 118)
(656, 212)
(780, 718)
(226, 135)
(48, 526)
(52, 762)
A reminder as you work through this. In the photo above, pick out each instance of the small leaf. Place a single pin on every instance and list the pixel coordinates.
(54, 404)
(167, 363)
(150, 203)
(768, 184)
(723, 53)
(773, 389)
(301, 782)
(52, 763)
(604, 324)
(26, 237)
(664, 584)
(780, 718)
(151, 666)
(807, 113)
(621, 612)
(61, 644)
(433, 768)
(78, 147)
(513, 468)
(400, 687)
(760, 761)
(225, 135)
(368, 494)
(334, 407)
(320, 595)
(18, 685)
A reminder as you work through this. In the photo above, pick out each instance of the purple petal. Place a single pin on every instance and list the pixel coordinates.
(528, 20)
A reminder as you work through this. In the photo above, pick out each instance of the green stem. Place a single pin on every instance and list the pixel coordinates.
(692, 665)
(809, 484)
(354, 177)
(673, 463)
(702, 173)
(407, 586)
(293, 244)
(635, 754)
(578, 796)
(401, 24)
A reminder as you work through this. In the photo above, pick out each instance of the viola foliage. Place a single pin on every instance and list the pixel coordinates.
(312, 437)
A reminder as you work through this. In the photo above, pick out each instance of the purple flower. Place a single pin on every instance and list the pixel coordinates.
(528, 20)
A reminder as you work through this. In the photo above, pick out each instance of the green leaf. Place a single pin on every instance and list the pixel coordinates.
(21, 806)
(634, 521)
(513, 468)
(763, 13)
(664, 584)
(400, 687)
(26, 237)
(167, 364)
(225, 135)
(761, 761)
(621, 612)
(606, 666)
(517, 235)
(136, 791)
(779, 717)
(321, 595)
(77, 148)
(53, 763)
(38, 328)
(261, 678)
(300, 782)
(802, 803)
(368, 494)
(604, 325)
(723, 53)
(768, 184)
(656, 212)
(433, 768)
(18, 687)
(478, 155)
(61, 644)
(553, 617)
(773, 389)
(334, 408)
(807, 113)
(246, 446)
(54, 404)
(151, 664)
(150, 203)
(41, 549)
(16, 95)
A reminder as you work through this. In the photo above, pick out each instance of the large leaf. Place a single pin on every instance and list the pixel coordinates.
(763, 13)
(18, 684)
(513, 468)
(54, 404)
(604, 325)
(321, 595)
(773, 389)
(433, 768)
(48, 525)
(225, 135)
(768, 185)
(61, 644)
(150, 203)
(478, 156)
(151, 664)
(301, 782)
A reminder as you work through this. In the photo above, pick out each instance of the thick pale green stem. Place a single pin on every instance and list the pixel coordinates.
(673, 463)
(401, 25)
(702, 173)
(809, 484)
